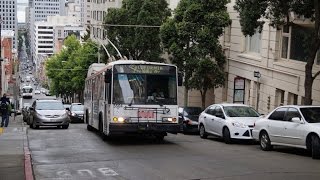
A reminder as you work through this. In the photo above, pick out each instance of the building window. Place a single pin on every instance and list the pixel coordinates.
(239, 90)
(253, 43)
(293, 45)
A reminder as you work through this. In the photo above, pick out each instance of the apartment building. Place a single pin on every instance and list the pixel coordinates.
(265, 70)
(96, 11)
(8, 15)
(39, 10)
(76, 8)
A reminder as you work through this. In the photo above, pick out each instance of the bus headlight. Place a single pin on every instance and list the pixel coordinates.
(170, 119)
(119, 119)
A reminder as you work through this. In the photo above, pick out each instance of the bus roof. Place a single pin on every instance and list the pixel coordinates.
(97, 68)
(26, 87)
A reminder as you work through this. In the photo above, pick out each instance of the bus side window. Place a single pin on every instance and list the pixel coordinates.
(107, 76)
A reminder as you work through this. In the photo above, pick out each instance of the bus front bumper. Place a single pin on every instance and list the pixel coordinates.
(144, 127)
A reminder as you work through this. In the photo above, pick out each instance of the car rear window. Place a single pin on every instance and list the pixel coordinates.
(192, 111)
(77, 108)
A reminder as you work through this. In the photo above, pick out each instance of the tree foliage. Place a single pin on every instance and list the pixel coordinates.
(140, 43)
(254, 12)
(67, 70)
(191, 38)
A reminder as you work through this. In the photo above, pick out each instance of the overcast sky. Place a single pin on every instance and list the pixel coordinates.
(21, 10)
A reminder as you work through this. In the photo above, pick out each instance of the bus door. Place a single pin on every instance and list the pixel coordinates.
(107, 98)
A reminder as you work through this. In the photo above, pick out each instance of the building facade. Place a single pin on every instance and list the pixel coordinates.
(9, 21)
(265, 70)
(39, 10)
(96, 12)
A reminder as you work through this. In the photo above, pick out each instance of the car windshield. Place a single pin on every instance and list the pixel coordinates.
(311, 114)
(49, 106)
(240, 111)
(77, 108)
(192, 111)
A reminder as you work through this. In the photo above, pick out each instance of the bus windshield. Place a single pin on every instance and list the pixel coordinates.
(27, 89)
(132, 88)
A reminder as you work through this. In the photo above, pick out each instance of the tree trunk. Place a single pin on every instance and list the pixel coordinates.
(186, 94)
(203, 99)
(308, 83)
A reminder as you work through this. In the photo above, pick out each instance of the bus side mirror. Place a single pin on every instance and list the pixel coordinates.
(180, 78)
(107, 76)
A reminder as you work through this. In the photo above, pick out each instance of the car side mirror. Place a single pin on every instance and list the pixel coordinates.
(296, 120)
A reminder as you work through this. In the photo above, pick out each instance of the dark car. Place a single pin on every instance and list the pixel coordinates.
(76, 112)
(25, 111)
(188, 118)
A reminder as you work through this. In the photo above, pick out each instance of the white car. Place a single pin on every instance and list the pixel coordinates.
(37, 92)
(229, 121)
(294, 126)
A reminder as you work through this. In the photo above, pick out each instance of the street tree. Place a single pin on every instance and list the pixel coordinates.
(67, 70)
(191, 39)
(253, 14)
(134, 42)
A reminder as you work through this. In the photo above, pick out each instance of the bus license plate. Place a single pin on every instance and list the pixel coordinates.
(145, 114)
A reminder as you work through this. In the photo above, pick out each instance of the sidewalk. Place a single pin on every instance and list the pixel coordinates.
(12, 150)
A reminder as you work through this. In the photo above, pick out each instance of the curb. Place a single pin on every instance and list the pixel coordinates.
(28, 171)
(27, 164)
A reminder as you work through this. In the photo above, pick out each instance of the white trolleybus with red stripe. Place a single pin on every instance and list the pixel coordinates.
(132, 97)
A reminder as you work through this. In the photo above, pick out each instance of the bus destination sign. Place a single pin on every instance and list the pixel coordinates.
(145, 69)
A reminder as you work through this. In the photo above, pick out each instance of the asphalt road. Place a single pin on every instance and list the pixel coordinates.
(76, 153)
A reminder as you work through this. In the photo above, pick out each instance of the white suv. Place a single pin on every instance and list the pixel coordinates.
(229, 121)
(295, 126)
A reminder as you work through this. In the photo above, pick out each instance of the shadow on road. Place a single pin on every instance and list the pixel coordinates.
(289, 150)
(136, 140)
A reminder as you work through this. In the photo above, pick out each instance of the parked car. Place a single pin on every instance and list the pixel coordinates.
(66, 106)
(229, 121)
(293, 126)
(188, 118)
(76, 112)
(25, 111)
(48, 113)
(37, 91)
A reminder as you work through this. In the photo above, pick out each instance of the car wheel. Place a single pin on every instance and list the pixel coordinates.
(65, 126)
(315, 147)
(203, 133)
(226, 136)
(265, 143)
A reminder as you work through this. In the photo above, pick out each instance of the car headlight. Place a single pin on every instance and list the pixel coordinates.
(73, 114)
(238, 124)
(40, 115)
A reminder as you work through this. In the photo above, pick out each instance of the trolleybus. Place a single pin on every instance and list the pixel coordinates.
(132, 97)
(27, 92)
